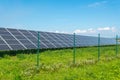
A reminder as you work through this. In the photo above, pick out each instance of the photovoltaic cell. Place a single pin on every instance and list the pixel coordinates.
(17, 47)
(30, 46)
(20, 37)
(4, 33)
(2, 42)
(12, 41)
(2, 29)
(12, 30)
(4, 47)
(8, 37)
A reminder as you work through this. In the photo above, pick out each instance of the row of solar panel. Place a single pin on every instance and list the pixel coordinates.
(14, 39)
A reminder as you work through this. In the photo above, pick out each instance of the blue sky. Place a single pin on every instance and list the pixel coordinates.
(85, 17)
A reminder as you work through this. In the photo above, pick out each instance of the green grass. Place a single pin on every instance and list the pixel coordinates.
(58, 65)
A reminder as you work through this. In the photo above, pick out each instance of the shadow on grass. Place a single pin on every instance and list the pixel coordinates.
(15, 52)
(34, 51)
(30, 51)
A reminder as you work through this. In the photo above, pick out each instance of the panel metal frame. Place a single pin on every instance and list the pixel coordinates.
(27, 38)
(16, 39)
(37, 38)
(48, 39)
(6, 43)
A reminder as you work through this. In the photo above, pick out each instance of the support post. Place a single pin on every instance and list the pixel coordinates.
(38, 48)
(74, 48)
(116, 45)
(98, 47)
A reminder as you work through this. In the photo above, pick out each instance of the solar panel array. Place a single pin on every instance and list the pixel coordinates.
(16, 39)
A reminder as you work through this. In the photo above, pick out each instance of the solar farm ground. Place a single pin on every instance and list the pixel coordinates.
(58, 65)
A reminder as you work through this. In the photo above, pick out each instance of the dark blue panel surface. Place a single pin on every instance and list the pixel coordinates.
(4, 47)
(22, 39)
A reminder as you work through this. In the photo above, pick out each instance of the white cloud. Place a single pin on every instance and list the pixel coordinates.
(113, 29)
(56, 31)
(95, 4)
(80, 31)
(91, 30)
(107, 29)
(60, 32)
(104, 29)
(95, 31)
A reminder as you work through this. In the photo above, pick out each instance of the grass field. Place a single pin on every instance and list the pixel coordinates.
(58, 65)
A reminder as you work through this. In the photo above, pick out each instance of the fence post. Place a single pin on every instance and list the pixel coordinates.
(38, 48)
(98, 47)
(116, 45)
(74, 50)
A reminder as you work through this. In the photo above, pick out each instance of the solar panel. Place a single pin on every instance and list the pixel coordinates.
(19, 37)
(4, 47)
(4, 33)
(17, 47)
(8, 37)
(16, 39)
(12, 41)
(1, 42)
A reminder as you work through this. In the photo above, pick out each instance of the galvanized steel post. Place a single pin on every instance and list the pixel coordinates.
(98, 47)
(38, 49)
(74, 50)
(116, 45)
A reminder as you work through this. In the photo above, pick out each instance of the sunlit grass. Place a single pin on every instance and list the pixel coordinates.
(58, 65)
